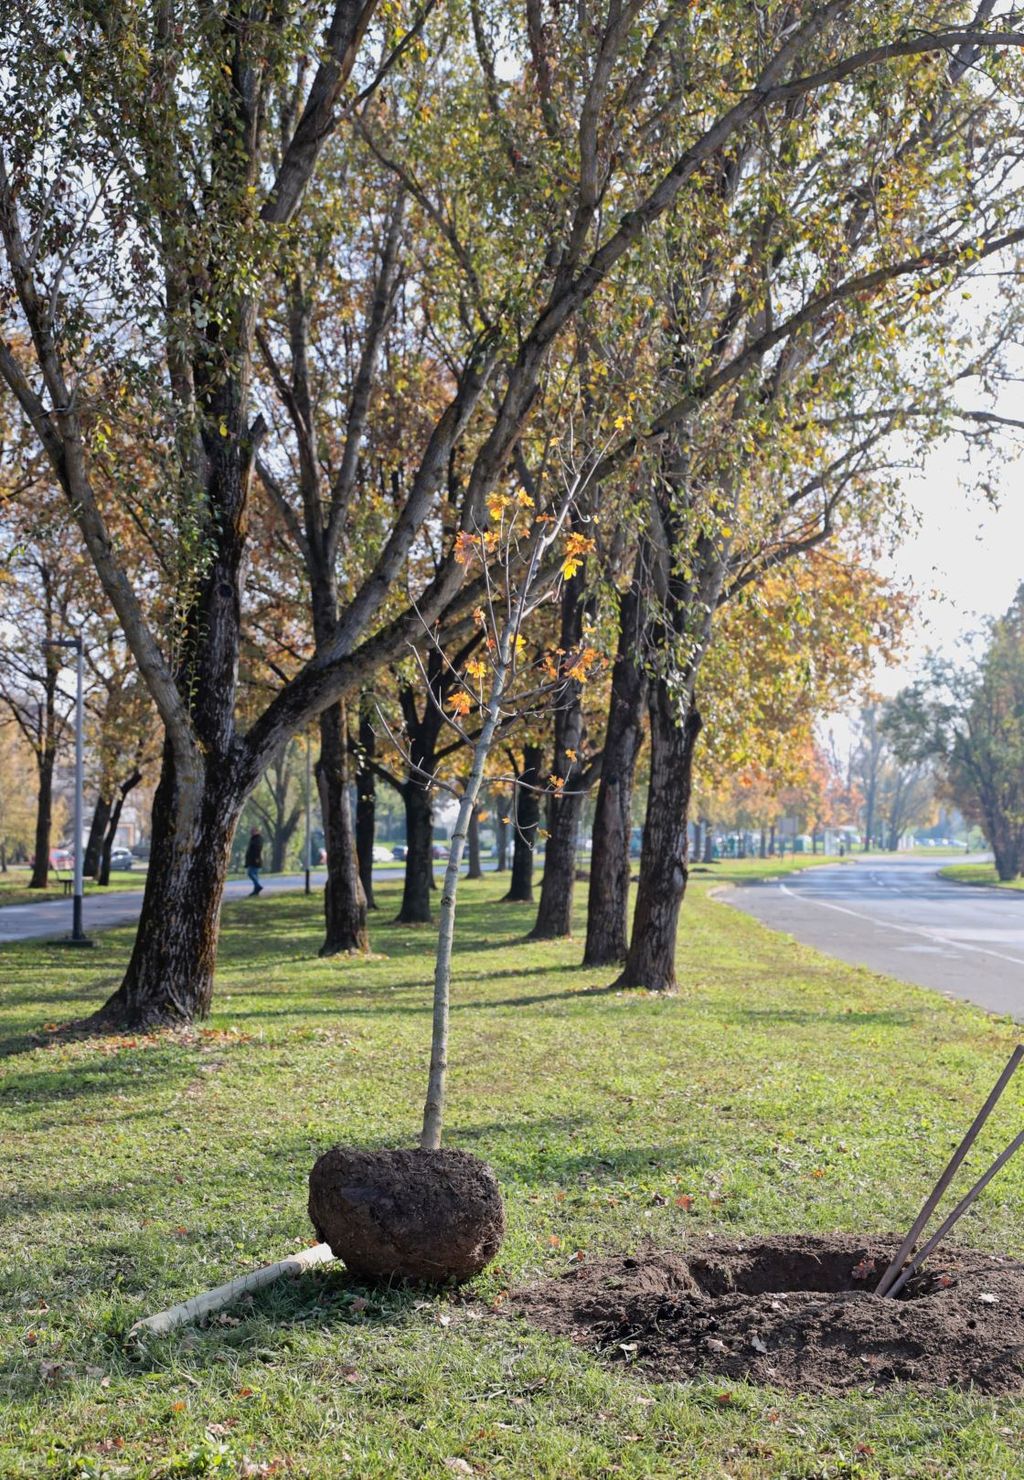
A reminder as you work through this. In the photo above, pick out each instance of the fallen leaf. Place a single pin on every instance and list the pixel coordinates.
(360, 1303)
(685, 1202)
(444, 1319)
(554, 1240)
(178, 1406)
(723, 1399)
(758, 1344)
(459, 1466)
(864, 1268)
(715, 1345)
(863, 1449)
(986, 1299)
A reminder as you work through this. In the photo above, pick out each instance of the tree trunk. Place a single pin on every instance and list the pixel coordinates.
(474, 871)
(709, 843)
(610, 863)
(554, 912)
(527, 814)
(771, 842)
(344, 900)
(1005, 852)
(763, 851)
(663, 865)
(170, 975)
(366, 805)
(44, 822)
(501, 834)
(419, 854)
(103, 875)
(93, 859)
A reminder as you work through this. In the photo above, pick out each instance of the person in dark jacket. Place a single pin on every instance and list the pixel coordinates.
(254, 860)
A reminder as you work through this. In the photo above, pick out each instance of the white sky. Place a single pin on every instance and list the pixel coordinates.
(965, 559)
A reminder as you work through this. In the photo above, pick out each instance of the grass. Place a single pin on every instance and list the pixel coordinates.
(983, 874)
(14, 886)
(780, 1090)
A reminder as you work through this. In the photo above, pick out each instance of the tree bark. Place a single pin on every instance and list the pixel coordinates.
(344, 900)
(501, 834)
(103, 874)
(709, 843)
(554, 912)
(474, 871)
(419, 853)
(44, 821)
(170, 974)
(610, 863)
(664, 867)
(93, 859)
(366, 804)
(572, 776)
(527, 814)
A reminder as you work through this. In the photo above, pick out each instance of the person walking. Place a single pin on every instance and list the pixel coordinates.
(254, 860)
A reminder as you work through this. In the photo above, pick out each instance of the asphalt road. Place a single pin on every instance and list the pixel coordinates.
(900, 918)
(53, 917)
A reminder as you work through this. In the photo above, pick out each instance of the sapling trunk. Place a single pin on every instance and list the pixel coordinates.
(503, 667)
(433, 1110)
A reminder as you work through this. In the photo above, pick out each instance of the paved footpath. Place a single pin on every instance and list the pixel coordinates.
(898, 917)
(53, 916)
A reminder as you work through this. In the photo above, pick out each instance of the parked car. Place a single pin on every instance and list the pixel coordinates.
(121, 858)
(62, 858)
(400, 852)
(382, 853)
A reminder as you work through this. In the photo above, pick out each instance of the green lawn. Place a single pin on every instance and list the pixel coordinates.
(780, 1090)
(978, 873)
(14, 886)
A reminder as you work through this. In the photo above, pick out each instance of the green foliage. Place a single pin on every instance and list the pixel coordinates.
(971, 719)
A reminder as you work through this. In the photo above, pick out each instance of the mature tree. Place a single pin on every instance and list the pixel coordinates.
(41, 605)
(17, 814)
(277, 804)
(969, 720)
(824, 248)
(154, 162)
(122, 734)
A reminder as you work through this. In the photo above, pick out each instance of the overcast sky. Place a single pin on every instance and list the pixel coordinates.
(965, 559)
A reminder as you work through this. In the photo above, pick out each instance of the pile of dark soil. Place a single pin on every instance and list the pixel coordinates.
(434, 1217)
(795, 1312)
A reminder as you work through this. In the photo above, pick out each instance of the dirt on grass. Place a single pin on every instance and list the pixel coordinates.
(794, 1312)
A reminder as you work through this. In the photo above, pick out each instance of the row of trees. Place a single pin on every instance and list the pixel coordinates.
(300, 305)
(968, 719)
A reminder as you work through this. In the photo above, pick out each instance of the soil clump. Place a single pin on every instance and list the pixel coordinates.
(794, 1312)
(434, 1217)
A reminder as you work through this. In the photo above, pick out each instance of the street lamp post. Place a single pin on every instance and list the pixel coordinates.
(78, 935)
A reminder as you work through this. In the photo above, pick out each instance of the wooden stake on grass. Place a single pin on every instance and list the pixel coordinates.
(955, 1215)
(931, 1201)
(202, 1305)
